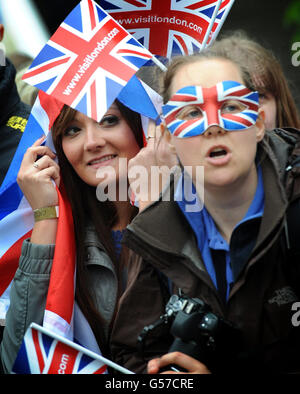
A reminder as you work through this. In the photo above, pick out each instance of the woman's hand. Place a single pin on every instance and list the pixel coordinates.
(36, 176)
(153, 164)
(179, 359)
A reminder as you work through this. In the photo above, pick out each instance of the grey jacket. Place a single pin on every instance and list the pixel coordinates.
(30, 286)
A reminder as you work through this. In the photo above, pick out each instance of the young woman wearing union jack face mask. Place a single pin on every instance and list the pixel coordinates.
(226, 147)
(224, 254)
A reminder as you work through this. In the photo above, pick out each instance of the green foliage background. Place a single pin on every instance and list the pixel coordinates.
(291, 19)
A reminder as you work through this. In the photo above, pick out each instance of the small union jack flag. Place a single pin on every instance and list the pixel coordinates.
(168, 27)
(223, 11)
(43, 352)
(87, 61)
(193, 109)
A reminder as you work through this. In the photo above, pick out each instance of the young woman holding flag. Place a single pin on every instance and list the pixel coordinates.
(83, 148)
(231, 255)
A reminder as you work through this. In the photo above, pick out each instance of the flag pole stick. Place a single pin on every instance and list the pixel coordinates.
(213, 18)
(80, 348)
(228, 8)
(159, 64)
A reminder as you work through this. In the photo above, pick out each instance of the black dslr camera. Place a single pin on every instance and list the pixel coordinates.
(197, 331)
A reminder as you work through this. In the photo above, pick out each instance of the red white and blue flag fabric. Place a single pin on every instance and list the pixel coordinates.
(16, 223)
(193, 109)
(223, 11)
(16, 217)
(88, 60)
(170, 27)
(43, 352)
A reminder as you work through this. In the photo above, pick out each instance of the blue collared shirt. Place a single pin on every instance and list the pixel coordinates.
(207, 234)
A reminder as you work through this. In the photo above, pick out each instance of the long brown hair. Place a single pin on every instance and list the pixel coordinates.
(86, 207)
(265, 70)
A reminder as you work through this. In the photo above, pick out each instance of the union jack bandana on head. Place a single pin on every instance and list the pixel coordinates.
(193, 109)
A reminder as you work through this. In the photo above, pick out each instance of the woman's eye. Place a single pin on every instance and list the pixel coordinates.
(262, 96)
(189, 113)
(233, 108)
(109, 120)
(71, 130)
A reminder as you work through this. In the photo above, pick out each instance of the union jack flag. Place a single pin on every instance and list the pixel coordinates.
(16, 223)
(169, 27)
(223, 11)
(87, 61)
(43, 352)
(209, 101)
(16, 217)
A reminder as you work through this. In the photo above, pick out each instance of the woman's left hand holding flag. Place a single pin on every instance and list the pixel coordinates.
(157, 159)
(38, 177)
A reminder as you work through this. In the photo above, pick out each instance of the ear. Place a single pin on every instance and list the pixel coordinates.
(260, 125)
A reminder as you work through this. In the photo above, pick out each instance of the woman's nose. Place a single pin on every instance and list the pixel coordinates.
(93, 138)
(214, 131)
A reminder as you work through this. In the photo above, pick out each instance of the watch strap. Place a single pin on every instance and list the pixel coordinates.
(46, 213)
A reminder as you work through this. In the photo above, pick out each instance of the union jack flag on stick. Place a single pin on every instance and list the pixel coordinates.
(88, 60)
(16, 223)
(16, 217)
(43, 352)
(223, 11)
(170, 27)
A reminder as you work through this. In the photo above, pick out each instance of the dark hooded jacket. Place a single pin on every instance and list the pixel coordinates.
(13, 117)
(261, 301)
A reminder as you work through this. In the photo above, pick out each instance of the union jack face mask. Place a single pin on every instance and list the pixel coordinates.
(193, 109)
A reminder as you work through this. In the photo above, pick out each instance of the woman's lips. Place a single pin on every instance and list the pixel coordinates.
(218, 155)
(102, 161)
